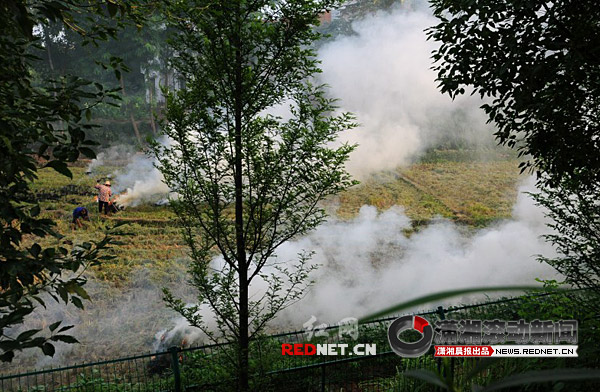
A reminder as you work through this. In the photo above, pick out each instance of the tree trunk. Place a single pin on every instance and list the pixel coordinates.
(152, 124)
(135, 127)
(50, 62)
(243, 371)
(47, 42)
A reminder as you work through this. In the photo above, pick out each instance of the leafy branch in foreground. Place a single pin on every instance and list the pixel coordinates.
(55, 272)
(43, 122)
(575, 224)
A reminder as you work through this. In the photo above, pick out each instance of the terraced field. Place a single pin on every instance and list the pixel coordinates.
(127, 310)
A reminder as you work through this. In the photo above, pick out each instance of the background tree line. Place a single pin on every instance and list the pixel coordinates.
(143, 54)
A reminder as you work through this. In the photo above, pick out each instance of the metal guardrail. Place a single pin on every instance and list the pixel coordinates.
(202, 368)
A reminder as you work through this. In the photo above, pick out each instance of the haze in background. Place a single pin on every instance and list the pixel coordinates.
(383, 75)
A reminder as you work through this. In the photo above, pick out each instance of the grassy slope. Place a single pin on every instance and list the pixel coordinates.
(447, 184)
(444, 183)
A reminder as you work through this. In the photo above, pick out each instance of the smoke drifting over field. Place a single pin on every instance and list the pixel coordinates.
(140, 181)
(383, 74)
(117, 322)
(368, 263)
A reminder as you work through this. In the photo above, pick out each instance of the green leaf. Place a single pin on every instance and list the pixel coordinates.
(35, 210)
(48, 349)
(65, 338)
(60, 167)
(112, 8)
(64, 295)
(7, 356)
(88, 152)
(63, 329)
(53, 326)
(35, 250)
(27, 334)
(75, 288)
(77, 302)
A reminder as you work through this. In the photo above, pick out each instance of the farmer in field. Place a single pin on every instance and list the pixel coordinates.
(104, 194)
(79, 214)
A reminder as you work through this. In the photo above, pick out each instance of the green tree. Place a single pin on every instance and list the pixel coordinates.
(574, 210)
(42, 122)
(139, 48)
(248, 181)
(537, 63)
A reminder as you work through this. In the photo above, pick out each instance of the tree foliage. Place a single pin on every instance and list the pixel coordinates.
(575, 219)
(537, 63)
(248, 181)
(42, 122)
(138, 48)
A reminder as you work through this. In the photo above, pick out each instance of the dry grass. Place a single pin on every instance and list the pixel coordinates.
(451, 184)
(127, 309)
(474, 193)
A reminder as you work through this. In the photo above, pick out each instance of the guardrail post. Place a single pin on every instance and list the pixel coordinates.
(442, 312)
(175, 367)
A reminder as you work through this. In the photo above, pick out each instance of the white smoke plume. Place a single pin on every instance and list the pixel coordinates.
(137, 181)
(383, 74)
(111, 156)
(368, 263)
(141, 181)
(117, 322)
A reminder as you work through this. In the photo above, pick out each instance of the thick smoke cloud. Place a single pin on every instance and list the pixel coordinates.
(115, 323)
(368, 263)
(383, 74)
(140, 181)
(111, 156)
(137, 181)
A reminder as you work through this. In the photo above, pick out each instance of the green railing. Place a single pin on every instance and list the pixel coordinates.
(209, 367)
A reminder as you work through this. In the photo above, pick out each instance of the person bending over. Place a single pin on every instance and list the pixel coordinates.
(79, 214)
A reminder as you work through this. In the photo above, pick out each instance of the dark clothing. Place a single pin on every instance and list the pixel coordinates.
(80, 212)
(103, 204)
